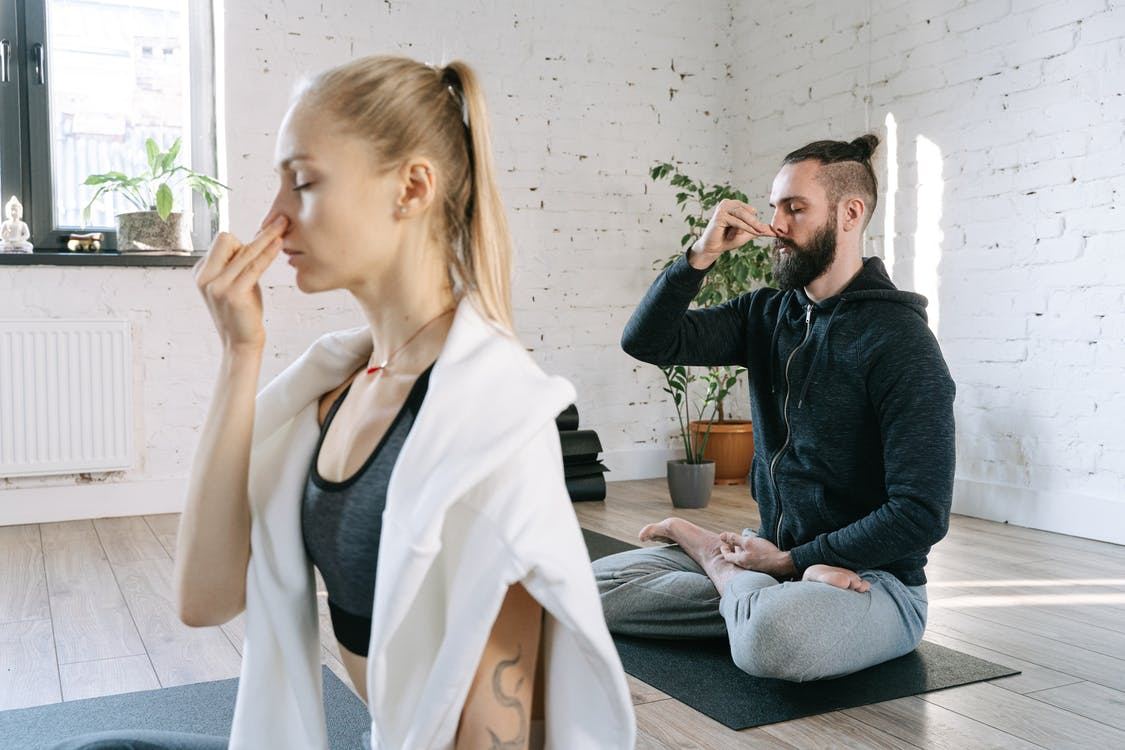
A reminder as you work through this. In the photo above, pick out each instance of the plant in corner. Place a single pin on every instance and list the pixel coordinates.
(154, 226)
(729, 442)
(690, 479)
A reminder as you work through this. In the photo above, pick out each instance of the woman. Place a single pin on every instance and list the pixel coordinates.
(459, 580)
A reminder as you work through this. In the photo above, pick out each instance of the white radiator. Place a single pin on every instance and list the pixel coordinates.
(65, 396)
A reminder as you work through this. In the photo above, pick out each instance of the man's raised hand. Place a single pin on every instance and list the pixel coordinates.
(733, 224)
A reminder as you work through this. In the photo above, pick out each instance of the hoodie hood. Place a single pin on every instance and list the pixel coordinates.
(871, 284)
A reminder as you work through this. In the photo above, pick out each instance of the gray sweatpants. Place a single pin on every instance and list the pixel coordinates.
(798, 630)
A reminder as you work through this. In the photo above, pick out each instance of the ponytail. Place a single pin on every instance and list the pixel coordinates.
(487, 255)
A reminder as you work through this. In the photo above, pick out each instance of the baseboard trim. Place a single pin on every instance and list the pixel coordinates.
(638, 463)
(1060, 512)
(27, 505)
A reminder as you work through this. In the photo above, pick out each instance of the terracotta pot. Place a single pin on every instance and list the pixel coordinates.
(731, 447)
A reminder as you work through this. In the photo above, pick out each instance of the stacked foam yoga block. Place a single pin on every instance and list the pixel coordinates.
(585, 473)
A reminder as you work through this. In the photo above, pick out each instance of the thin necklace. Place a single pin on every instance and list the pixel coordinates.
(387, 361)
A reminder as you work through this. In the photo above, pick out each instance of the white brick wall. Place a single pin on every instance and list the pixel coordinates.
(1025, 101)
(584, 98)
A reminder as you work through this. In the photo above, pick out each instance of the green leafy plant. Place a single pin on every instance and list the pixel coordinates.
(154, 189)
(719, 384)
(732, 274)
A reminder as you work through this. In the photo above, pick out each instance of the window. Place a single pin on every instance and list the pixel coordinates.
(83, 84)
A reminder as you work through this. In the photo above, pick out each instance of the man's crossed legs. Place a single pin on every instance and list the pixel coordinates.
(832, 623)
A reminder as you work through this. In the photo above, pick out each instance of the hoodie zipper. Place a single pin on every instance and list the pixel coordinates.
(785, 416)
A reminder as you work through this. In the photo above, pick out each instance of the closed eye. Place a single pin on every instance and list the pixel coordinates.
(298, 188)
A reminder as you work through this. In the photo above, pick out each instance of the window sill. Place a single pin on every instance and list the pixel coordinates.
(104, 258)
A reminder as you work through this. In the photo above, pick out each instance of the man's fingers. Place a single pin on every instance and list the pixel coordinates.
(747, 218)
(759, 227)
(733, 220)
(764, 230)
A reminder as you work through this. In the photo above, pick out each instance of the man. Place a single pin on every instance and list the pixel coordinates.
(853, 464)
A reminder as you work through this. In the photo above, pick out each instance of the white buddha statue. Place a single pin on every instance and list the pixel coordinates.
(13, 231)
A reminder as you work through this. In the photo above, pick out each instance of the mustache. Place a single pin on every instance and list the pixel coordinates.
(779, 243)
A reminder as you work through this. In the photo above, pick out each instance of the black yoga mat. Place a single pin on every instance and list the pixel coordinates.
(700, 673)
(567, 418)
(583, 489)
(588, 469)
(580, 446)
(203, 708)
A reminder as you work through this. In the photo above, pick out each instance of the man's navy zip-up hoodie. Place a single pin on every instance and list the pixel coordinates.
(852, 405)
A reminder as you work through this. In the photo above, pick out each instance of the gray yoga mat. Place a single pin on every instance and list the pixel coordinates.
(202, 708)
(700, 673)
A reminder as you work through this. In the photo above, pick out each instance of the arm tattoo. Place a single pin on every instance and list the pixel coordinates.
(508, 701)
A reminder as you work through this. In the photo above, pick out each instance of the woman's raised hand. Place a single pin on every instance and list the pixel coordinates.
(227, 278)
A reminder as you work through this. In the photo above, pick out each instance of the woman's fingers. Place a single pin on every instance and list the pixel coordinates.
(223, 247)
(270, 216)
(249, 252)
(227, 252)
(253, 270)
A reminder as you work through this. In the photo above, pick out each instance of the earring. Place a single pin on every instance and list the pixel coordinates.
(402, 209)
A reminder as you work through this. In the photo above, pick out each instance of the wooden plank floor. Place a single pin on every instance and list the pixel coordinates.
(86, 609)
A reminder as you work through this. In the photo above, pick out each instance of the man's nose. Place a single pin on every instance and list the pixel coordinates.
(778, 225)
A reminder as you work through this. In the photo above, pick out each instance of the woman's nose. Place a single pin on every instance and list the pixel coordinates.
(277, 208)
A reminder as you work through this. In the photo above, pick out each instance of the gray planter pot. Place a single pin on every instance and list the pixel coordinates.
(690, 484)
(145, 232)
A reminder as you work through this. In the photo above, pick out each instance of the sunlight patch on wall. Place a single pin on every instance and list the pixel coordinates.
(889, 200)
(928, 235)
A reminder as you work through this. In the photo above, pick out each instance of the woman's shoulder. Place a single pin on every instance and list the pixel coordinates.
(325, 402)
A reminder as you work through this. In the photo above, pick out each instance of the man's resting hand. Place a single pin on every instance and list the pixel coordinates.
(756, 553)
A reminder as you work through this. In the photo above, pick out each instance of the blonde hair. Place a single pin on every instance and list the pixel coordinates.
(402, 107)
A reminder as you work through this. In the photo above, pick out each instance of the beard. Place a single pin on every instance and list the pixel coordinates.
(805, 263)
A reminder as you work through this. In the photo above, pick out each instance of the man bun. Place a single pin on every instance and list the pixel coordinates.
(865, 146)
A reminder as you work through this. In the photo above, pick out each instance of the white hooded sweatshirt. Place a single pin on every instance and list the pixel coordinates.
(476, 502)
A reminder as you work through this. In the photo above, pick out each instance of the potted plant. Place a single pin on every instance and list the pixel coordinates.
(691, 478)
(154, 226)
(729, 442)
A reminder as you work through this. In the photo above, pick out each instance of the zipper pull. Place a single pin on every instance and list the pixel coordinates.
(808, 313)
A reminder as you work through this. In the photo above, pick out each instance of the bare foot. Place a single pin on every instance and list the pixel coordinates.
(657, 532)
(841, 578)
(701, 545)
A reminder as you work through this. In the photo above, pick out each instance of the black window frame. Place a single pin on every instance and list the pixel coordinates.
(25, 139)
